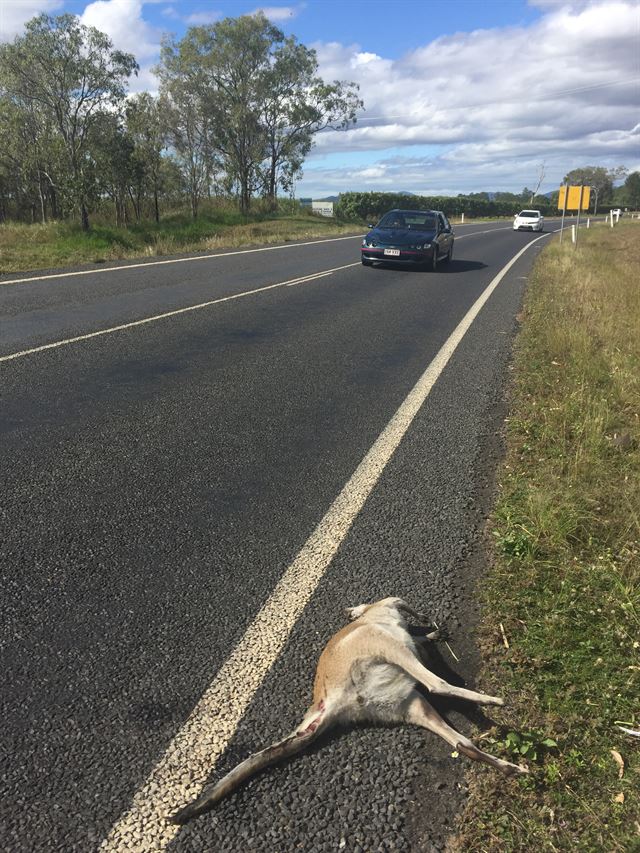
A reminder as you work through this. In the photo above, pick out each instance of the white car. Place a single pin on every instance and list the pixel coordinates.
(528, 220)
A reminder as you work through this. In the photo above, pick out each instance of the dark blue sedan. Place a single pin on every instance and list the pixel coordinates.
(419, 238)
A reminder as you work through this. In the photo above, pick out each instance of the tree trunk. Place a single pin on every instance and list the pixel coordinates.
(54, 202)
(155, 203)
(80, 190)
(245, 196)
(136, 202)
(43, 208)
(272, 201)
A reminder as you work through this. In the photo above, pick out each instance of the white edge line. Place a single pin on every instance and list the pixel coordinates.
(190, 757)
(110, 330)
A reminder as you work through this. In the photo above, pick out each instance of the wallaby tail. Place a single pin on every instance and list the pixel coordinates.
(294, 743)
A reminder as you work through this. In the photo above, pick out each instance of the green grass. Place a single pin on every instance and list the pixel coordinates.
(57, 244)
(564, 584)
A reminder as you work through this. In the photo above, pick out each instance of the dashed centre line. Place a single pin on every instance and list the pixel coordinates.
(121, 327)
(174, 313)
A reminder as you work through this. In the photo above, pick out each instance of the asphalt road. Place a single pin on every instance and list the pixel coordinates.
(159, 479)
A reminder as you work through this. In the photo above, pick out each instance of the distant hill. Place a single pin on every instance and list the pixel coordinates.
(336, 198)
(490, 195)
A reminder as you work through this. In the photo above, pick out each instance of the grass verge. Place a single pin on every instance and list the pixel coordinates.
(563, 591)
(57, 244)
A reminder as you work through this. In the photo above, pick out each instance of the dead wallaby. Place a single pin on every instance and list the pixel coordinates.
(367, 673)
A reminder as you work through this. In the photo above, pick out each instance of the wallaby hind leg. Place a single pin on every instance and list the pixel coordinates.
(397, 653)
(421, 713)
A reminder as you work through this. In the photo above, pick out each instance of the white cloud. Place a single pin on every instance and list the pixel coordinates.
(204, 17)
(492, 103)
(15, 13)
(144, 81)
(278, 13)
(469, 111)
(555, 4)
(122, 21)
(364, 59)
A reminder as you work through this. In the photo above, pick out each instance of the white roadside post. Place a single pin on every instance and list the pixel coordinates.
(462, 220)
(611, 217)
(577, 225)
(588, 222)
(573, 233)
(564, 206)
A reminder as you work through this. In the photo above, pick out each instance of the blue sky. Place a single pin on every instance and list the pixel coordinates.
(460, 95)
(388, 27)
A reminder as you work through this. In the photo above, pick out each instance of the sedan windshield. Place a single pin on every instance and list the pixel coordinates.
(530, 214)
(415, 221)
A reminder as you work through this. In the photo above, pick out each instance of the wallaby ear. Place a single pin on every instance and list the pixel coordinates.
(355, 612)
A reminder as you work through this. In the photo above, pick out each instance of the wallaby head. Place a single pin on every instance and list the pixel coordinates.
(368, 672)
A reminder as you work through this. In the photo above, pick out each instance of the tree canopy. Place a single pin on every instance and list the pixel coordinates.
(256, 100)
(600, 179)
(63, 77)
(238, 107)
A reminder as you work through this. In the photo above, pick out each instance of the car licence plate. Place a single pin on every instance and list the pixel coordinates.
(393, 252)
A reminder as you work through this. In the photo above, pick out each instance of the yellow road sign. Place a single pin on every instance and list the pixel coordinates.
(574, 198)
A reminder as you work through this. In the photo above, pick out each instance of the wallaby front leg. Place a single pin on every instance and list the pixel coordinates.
(421, 713)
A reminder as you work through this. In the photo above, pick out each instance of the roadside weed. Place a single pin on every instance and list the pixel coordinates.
(564, 588)
(57, 244)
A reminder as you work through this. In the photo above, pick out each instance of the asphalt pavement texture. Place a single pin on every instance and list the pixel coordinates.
(156, 483)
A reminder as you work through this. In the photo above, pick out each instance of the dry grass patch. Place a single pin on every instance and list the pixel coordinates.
(31, 247)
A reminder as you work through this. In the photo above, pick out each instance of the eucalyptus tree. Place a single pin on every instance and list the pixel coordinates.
(20, 158)
(298, 104)
(264, 98)
(599, 178)
(31, 157)
(114, 164)
(227, 64)
(186, 121)
(631, 190)
(72, 74)
(146, 128)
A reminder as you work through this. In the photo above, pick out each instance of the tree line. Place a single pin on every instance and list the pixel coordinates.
(236, 113)
(371, 205)
(604, 192)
